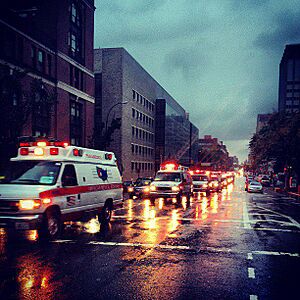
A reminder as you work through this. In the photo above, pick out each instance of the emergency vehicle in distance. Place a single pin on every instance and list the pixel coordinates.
(171, 181)
(50, 182)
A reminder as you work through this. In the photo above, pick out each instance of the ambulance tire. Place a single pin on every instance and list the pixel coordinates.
(51, 227)
(105, 215)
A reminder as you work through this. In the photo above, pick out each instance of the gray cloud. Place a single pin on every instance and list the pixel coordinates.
(207, 54)
(286, 30)
(245, 4)
(190, 62)
(132, 7)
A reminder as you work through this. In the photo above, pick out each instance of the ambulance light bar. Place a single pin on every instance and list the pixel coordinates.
(44, 144)
(169, 166)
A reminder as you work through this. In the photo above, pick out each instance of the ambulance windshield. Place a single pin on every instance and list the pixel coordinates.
(31, 173)
(163, 176)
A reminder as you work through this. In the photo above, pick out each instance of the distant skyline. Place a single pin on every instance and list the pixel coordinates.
(218, 59)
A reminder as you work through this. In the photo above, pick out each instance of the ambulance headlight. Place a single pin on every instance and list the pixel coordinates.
(152, 188)
(147, 189)
(29, 204)
(205, 185)
(130, 189)
(175, 188)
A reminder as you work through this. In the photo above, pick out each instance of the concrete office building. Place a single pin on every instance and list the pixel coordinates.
(47, 52)
(289, 79)
(121, 79)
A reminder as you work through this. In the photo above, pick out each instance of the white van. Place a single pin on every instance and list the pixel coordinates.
(51, 182)
(171, 181)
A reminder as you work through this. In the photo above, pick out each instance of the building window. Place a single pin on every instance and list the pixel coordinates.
(133, 94)
(133, 112)
(76, 122)
(132, 131)
(40, 117)
(41, 61)
(74, 43)
(132, 148)
(75, 15)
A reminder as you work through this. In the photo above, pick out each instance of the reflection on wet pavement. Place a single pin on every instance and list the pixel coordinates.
(138, 221)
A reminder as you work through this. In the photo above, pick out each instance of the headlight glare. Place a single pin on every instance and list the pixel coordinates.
(29, 204)
(175, 189)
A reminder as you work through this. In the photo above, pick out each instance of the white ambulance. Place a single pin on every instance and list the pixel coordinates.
(171, 181)
(51, 182)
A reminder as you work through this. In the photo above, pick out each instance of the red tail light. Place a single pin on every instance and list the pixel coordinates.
(24, 151)
(54, 151)
(108, 156)
(24, 144)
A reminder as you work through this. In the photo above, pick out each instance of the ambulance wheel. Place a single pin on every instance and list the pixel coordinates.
(105, 214)
(51, 226)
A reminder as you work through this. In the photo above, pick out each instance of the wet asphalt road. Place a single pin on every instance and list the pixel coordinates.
(231, 245)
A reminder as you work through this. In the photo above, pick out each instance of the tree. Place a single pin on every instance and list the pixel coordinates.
(279, 141)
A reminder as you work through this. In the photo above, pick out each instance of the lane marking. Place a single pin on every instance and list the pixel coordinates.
(274, 253)
(170, 247)
(275, 230)
(253, 297)
(182, 247)
(246, 216)
(282, 215)
(251, 273)
(250, 256)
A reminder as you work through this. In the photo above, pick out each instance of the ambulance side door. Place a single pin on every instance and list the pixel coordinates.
(69, 181)
(86, 182)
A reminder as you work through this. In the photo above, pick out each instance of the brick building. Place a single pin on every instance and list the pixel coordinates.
(46, 55)
(120, 79)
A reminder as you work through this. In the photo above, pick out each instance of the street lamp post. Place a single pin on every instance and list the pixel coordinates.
(106, 123)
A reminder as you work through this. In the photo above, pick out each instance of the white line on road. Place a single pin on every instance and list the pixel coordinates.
(251, 273)
(253, 297)
(140, 245)
(295, 223)
(246, 216)
(183, 247)
(250, 256)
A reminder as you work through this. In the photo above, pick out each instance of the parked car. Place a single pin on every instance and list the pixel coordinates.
(255, 187)
(141, 188)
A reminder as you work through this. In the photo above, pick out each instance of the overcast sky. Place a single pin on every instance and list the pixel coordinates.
(218, 58)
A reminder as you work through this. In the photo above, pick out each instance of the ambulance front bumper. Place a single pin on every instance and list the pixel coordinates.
(22, 222)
